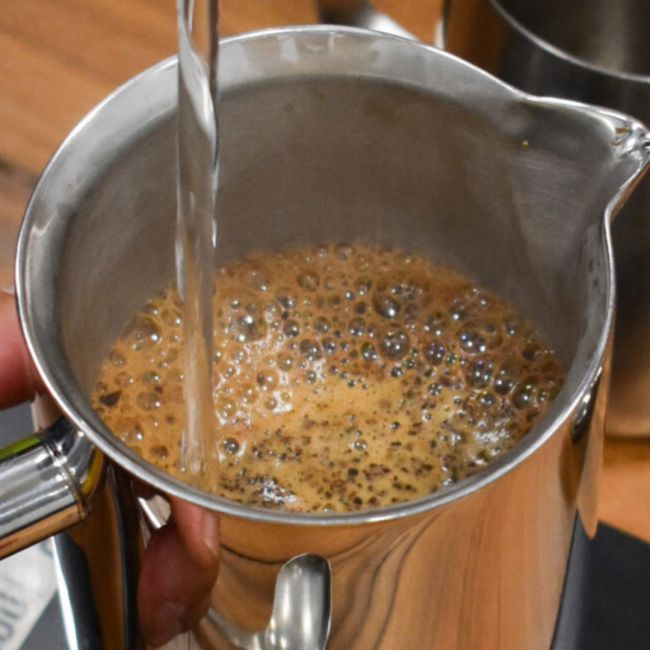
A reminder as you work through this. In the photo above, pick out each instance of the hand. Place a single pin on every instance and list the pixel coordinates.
(17, 381)
(178, 572)
(181, 562)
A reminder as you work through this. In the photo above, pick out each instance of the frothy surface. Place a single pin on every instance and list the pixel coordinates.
(346, 377)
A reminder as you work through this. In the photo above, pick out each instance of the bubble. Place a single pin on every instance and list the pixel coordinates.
(248, 394)
(128, 430)
(249, 328)
(239, 356)
(469, 303)
(309, 349)
(171, 317)
(434, 389)
(458, 311)
(360, 445)
(267, 380)
(334, 302)
(159, 452)
(144, 333)
(322, 324)
(148, 401)
(357, 327)
(434, 352)
(524, 395)
(330, 283)
(436, 325)
(123, 379)
(329, 345)
(344, 251)
(258, 278)
(149, 422)
(362, 262)
(362, 285)
(230, 371)
(150, 377)
(230, 446)
(309, 281)
(368, 352)
(478, 374)
(116, 358)
(385, 305)
(291, 328)
(271, 403)
(472, 342)
(285, 298)
(511, 326)
(285, 362)
(505, 378)
(225, 407)
(151, 309)
(486, 398)
(394, 344)
(349, 295)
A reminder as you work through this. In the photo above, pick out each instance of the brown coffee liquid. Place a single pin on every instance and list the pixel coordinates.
(346, 377)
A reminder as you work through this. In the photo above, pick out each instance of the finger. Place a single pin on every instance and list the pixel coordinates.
(16, 375)
(176, 579)
(199, 529)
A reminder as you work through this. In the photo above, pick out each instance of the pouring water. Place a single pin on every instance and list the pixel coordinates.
(196, 224)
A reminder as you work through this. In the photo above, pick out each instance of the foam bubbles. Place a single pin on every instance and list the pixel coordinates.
(394, 344)
(346, 377)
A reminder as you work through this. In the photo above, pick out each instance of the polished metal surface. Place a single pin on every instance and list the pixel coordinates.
(358, 13)
(595, 51)
(97, 565)
(300, 619)
(47, 480)
(379, 139)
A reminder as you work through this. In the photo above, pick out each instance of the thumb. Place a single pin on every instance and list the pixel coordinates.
(179, 569)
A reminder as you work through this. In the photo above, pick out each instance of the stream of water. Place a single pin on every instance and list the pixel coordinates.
(196, 225)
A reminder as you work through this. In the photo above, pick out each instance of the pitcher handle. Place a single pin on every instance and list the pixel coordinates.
(46, 481)
(301, 615)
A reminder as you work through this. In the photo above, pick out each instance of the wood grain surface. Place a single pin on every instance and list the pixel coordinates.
(58, 58)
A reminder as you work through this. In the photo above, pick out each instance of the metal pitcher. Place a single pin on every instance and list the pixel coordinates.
(328, 134)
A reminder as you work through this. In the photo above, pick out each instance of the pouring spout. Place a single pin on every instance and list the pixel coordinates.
(630, 141)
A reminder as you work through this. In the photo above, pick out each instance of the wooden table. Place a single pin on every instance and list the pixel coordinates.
(58, 58)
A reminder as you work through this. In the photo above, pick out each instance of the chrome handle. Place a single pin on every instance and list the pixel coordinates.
(301, 614)
(45, 484)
